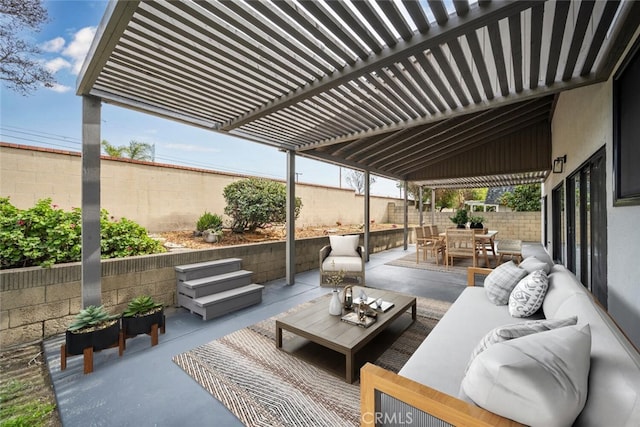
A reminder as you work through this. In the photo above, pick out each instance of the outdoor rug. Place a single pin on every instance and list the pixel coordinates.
(264, 386)
(459, 265)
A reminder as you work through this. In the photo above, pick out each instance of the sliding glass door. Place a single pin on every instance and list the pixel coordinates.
(557, 217)
(587, 225)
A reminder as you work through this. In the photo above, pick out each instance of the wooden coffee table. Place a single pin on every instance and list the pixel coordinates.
(317, 325)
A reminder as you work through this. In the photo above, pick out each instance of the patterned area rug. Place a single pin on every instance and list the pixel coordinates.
(264, 386)
(459, 265)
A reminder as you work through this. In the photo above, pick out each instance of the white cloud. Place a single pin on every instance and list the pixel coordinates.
(77, 49)
(53, 45)
(192, 148)
(57, 64)
(60, 88)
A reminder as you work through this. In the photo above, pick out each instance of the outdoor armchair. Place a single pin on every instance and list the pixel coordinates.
(342, 255)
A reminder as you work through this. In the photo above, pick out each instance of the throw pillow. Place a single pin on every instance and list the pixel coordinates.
(532, 264)
(344, 245)
(528, 295)
(501, 281)
(517, 330)
(537, 380)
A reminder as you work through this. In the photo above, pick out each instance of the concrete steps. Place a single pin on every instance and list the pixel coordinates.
(215, 288)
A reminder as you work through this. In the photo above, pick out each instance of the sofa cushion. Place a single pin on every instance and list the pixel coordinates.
(528, 295)
(538, 380)
(441, 359)
(563, 286)
(501, 281)
(517, 330)
(344, 245)
(342, 263)
(532, 264)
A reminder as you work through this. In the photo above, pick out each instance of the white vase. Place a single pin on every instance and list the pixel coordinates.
(335, 306)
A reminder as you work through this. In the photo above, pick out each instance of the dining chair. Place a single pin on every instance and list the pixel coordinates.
(461, 243)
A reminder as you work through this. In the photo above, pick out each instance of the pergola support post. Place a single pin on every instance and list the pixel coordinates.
(367, 213)
(406, 216)
(291, 218)
(420, 215)
(91, 267)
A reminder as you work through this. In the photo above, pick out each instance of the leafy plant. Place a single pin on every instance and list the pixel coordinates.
(209, 221)
(141, 305)
(91, 316)
(476, 219)
(525, 198)
(255, 202)
(460, 218)
(45, 235)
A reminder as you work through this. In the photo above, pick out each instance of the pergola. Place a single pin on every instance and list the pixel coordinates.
(441, 93)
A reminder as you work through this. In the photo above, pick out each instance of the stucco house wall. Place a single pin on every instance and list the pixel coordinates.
(582, 124)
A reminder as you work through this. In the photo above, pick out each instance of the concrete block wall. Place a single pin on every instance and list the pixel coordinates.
(160, 197)
(36, 303)
(525, 226)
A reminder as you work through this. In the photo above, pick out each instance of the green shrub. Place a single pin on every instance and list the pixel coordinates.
(45, 235)
(209, 221)
(253, 203)
(460, 218)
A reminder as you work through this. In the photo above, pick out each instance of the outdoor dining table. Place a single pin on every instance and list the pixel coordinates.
(487, 239)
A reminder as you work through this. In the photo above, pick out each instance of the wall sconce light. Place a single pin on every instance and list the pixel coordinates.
(558, 164)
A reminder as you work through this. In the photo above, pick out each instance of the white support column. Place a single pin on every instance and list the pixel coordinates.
(91, 267)
(406, 216)
(421, 220)
(367, 214)
(291, 218)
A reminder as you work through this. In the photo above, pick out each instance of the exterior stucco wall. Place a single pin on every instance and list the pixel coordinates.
(158, 197)
(582, 124)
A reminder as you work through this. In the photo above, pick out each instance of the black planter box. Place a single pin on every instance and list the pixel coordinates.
(132, 326)
(98, 340)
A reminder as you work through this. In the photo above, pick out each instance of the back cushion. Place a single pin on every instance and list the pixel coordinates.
(532, 264)
(563, 285)
(344, 245)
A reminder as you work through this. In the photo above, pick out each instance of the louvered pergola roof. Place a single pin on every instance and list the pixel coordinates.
(443, 93)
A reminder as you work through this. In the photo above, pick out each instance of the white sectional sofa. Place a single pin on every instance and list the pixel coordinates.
(431, 388)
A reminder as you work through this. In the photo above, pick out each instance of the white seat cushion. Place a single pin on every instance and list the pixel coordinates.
(344, 263)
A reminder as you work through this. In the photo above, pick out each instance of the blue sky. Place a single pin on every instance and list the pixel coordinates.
(52, 117)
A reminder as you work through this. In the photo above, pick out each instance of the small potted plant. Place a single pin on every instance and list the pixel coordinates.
(212, 235)
(476, 222)
(141, 315)
(93, 329)
(460, 218)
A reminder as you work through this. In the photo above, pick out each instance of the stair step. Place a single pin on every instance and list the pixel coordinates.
(209, 268)
(212, 284)
(221, 303)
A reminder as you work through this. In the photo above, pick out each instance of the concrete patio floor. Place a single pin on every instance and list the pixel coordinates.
(145, 388)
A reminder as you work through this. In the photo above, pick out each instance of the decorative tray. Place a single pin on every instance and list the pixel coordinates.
(352, 318)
